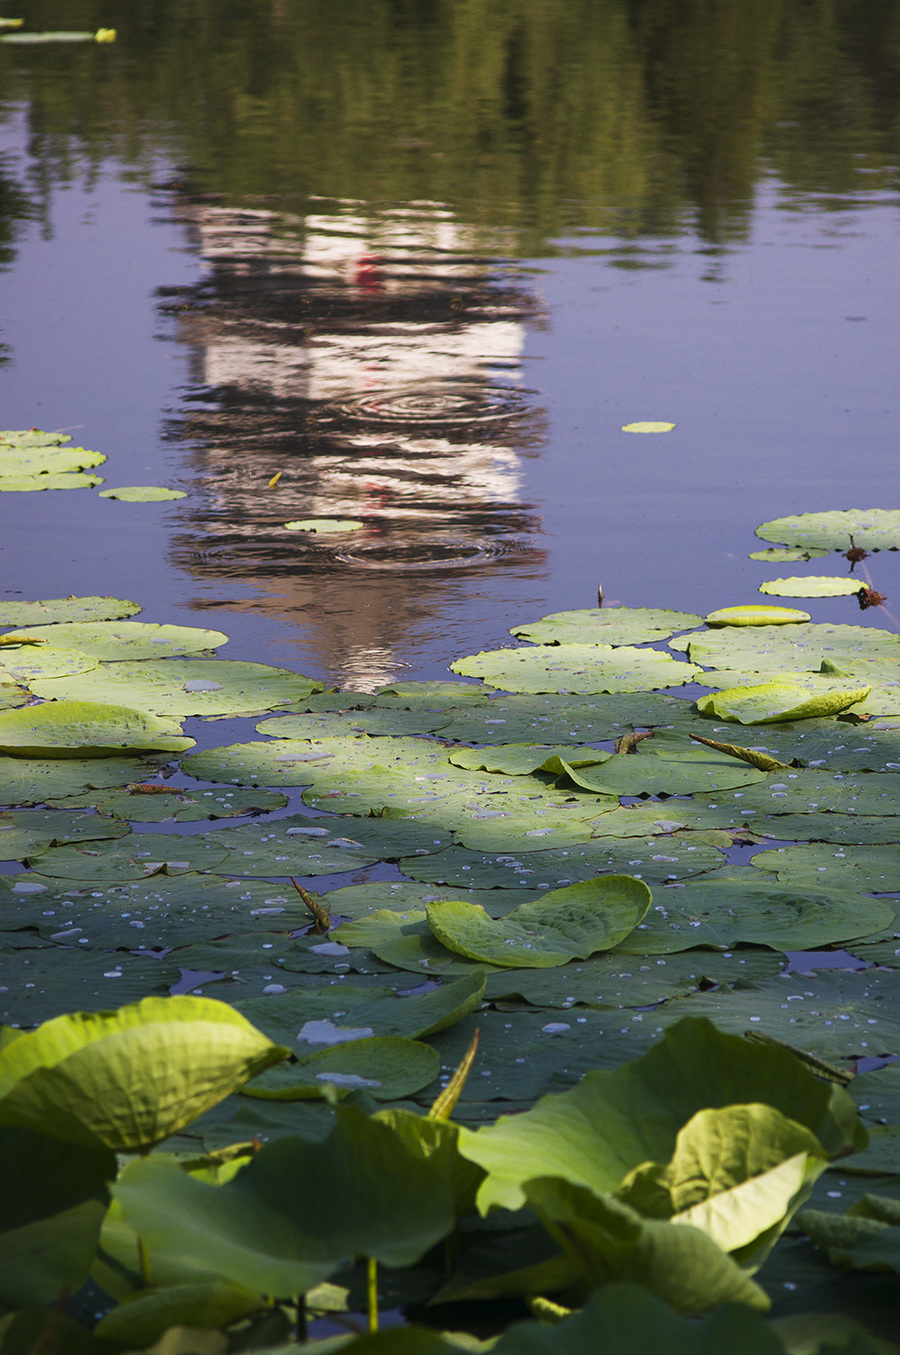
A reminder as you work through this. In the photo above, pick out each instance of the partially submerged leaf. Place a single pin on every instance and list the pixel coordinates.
(768, 702)
(319, 525)
(65, 609)
(755, 615)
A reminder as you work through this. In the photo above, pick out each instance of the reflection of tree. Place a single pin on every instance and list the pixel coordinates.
(15, 208)
(373, 361)
(544, 117)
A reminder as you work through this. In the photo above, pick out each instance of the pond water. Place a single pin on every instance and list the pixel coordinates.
(422, 263)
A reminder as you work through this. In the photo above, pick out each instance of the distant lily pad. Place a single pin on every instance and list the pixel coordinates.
(29, 484)
(86, 729)
(812, 586)
(647, 426)
(65, 609)
(782, 555)
(324, 525)
(22, 663)
(871, 528)
(755, 615)
(768, 702)
(24, 459)
(790, 647)
(575, 668)
(387, 1067)
(605, 625)
(142, 493)
(124, 639)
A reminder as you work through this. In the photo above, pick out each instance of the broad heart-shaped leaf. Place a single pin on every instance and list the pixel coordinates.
(129, 1079)
(812, 586)
(606, 626)
(675, 1261)
(65, 609)
(612, 1122)
(562, 925)
(124, 639)
(86, 729)
(769, 702)
(388, 1068)
(298, 1210)
(626, 1319)
(54, 1199)
(788, 648)
(737, 1173)
(144, 1319)
(575, 668)
(177, 688)
(754, 615)
(142, 493)
(871, 528)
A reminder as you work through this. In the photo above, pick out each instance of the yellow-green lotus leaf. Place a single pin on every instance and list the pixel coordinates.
(812, 586)
(86, 729)
(768, 702)
(755, 615)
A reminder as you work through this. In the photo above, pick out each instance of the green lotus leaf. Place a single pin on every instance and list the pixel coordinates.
(30, 484)
(676, 1262)
(606, 625)
(12, 696)
(575, 668)
(405, 941)
(848, 829)
(520, 759)
(871, 528)
(796, 790)
(86, 729)
(768, 702)
(142, 493)
(877, 1094)
(552, 719)
(177, 688)
(666, 773)
(872, 869)
(351, 723)
(615, 1121)
(755, 615)
(144, 1319)
(812, 586)
(27, 832)
(25, 662)
(26, 781)
(311, 1018)
(386, 1067)
(779, 555)
(129, 1079)
(562, 925)
(725, 912)
(54, 1198)
(31, 437)
(273, 762)
(867, 1237)
(123, 639)
(24, 459)
(299, 1209)
(65, 609)
(624, 1318)
(803, 646)
(155, 802)
(881, 676)
(130, 858)
(303, 846)
(319, 525)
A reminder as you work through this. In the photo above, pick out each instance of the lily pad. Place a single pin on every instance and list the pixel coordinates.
(156, 802)
(30, 484)
(565, 924)
(881, 677)
(871, 528)
(86, 729)
(755, 615)
(142, 493)
(388, 1068)
(303, 846)
(28, 832)
(275, 762)
(870, 869)
(123, 639)
(178, 688)
(326, 525)
(33, 459)
(666, 773)
(23, 663)
(795, 791)
(606, 625)
(65, 609)
(28, 781)
(778, 555)
(811, 586)
(645, 426)
(575, 668)
(131, 858)
(768, 702)
(797, 647)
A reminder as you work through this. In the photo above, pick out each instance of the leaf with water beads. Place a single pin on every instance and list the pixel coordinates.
(86, 729)
(114, 640)
(871, 528)
(576, 668)
(768, 702)
(606, 625)
(65, 609)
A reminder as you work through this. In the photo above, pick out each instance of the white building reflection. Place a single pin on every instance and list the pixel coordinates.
(373, 359)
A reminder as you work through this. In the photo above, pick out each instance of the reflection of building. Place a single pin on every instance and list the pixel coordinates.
(372, 360)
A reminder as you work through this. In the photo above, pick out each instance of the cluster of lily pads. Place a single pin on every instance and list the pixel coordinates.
(31, 460)
(526, 898)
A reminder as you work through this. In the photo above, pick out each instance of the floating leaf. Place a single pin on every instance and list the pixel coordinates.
(123, 639)
(129, 1079)
(30, 484)
(142, 493)
(867, 1237)
(606, 625)
(25, 662)
(388, 1068)
(25, 781)
(86, 729)
(575, 668)
(768, 702)
(850, 648)
(871, 529)
(755, 615)
(647, 427)
(65, 609)
(178, 688)
(35, 459)
(872, 869)
(155, 802)
(811, 586)
(779, 555)
(324, 525)
(131, 858)
(564, 924)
